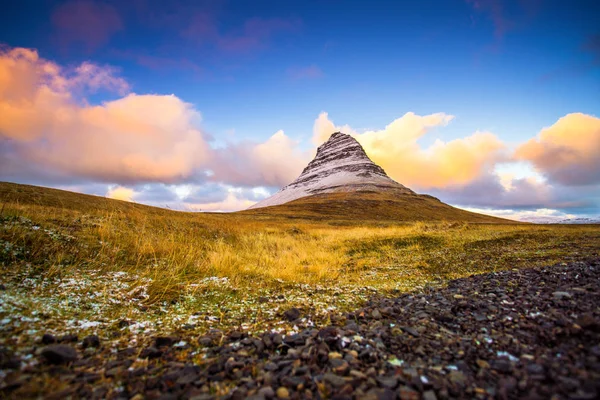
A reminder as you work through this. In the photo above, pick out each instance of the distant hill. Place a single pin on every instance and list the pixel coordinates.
(342, 182)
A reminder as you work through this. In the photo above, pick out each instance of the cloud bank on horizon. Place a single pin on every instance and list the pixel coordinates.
(152, 148)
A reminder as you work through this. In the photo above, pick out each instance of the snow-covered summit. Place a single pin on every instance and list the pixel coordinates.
(341, 165)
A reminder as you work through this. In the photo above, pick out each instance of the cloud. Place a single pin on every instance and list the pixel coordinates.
(86, 22)
(540, 215)
(310, 72)
(396, 149)
(275, 162)
(254, 34)
(136, 138)
(324, 127)
(230, 203)
(567, 152)
(120, 193)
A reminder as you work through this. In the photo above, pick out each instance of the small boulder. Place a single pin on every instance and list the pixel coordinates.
(292, 314)
(59, 354)
(48, 339)
(91, 341)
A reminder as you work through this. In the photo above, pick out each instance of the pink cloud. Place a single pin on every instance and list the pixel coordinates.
(86, 22)
(567, 152)
(310, 72)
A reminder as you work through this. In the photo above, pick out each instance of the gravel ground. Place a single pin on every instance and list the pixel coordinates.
(532, 333)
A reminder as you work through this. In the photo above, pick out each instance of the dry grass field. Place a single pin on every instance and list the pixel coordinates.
(84, 258)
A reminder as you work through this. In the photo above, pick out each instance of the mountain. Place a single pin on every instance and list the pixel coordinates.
(342, 182)
(341, 165)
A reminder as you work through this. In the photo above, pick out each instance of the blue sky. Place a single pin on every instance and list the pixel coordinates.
(252, 68)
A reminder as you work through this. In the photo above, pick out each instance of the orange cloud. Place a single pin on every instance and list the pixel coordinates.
(440, 165)
(567, 152)
(135, 138)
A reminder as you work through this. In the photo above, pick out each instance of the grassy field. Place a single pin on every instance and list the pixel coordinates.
(72, 261)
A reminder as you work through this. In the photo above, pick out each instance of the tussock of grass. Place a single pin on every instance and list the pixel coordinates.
(55, 234)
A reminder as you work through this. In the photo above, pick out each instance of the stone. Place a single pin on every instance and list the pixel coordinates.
(334, 380)
(48, 339)
(283, 393)
(91, 341)
(292, 314)
(59, 354)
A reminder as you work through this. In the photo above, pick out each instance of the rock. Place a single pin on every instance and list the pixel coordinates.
(69, 338)
(535, 369)
(294, 340)
(457, 378)
(334, 380)
(48, 339)
(8, 360)
(292, 314)
(588, 322)
(376, 314)
(411, 331)
(267, 392)
(164, 341)
(561, 295)
(59, 354)
(91, 341)
(407, 393)
(150, 352)
(389, 382)
(429, 395)
(502, 365)
(283, 393)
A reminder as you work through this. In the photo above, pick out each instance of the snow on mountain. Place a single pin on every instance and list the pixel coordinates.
(341, 165)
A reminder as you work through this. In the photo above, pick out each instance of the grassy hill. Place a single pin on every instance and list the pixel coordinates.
(383, 206)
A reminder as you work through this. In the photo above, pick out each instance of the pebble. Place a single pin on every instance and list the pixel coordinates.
(59, 354)
(48, 339)
(292, 314)
(91, 341)
(283, 393)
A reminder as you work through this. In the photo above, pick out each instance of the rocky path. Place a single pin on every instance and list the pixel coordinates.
(518, 334)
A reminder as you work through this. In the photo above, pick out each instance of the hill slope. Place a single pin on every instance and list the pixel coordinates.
(372, 206)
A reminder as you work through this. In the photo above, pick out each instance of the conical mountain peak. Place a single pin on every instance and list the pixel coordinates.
(340, 165)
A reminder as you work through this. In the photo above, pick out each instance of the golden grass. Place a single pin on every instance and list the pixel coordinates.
(58, 232)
